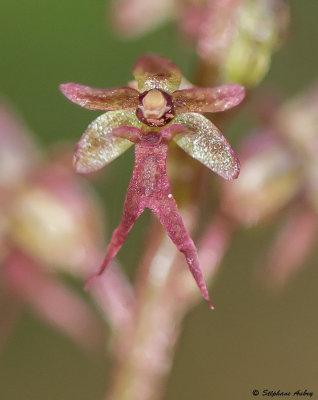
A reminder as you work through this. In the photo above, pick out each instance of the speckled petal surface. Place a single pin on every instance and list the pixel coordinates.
(121, 98)
(206, 143)
(97, 147)
(152, 71)
(215, 99)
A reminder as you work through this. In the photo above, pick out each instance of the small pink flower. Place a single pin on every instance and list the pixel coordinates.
(151, 117)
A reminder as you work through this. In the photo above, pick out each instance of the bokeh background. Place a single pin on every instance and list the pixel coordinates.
(254, 339)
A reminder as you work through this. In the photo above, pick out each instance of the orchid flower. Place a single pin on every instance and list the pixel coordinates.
(151, 117)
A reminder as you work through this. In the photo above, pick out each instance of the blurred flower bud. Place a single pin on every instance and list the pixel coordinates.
(268, 180)
(133, 18)
(56, 220)
(18, 152)
(297, 121)
(217, 29)
(246, 63)
(259, 27)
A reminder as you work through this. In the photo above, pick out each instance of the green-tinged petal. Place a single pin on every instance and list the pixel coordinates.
(154, 72)
(97, 147)
(206, 143)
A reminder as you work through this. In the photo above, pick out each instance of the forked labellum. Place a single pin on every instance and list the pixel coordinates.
(150, 118)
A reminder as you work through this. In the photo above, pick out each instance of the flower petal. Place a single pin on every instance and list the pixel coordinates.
(215, 99)
(121, 98)
(152, 71)
(97, 147)
(206, 143)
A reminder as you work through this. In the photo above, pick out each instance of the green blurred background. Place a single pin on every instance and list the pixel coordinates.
(254, 339)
